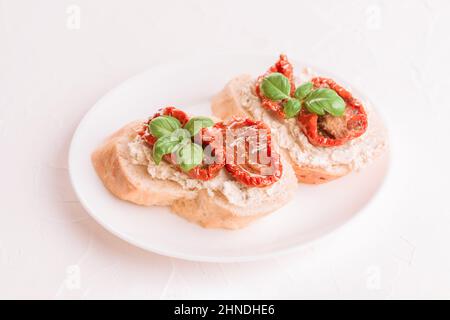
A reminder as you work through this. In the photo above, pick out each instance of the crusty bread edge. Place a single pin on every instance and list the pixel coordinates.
(119, 177)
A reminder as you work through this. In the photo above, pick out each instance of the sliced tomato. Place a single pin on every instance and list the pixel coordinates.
(253, 174)
(243, 140)
(214, 160)
(354, 118)
(167, 111)
(176, 113)
(284, 67)
(207, 171)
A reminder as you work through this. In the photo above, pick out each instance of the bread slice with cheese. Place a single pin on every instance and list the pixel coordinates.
(124, 164)
(313, 165)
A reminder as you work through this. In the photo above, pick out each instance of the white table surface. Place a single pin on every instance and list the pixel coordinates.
(53, 68)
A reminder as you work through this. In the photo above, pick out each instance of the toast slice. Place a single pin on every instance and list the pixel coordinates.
(125, 166)
(312, 165)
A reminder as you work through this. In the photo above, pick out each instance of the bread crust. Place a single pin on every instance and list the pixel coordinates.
(311, 175)
(125, 180)
(132, 183)
(227, 104)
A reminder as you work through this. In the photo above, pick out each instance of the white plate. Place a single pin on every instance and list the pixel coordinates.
(190, 84)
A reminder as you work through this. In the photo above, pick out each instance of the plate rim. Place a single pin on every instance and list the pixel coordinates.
(320, 237)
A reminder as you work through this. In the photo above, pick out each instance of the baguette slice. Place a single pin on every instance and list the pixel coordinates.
(132, 182)
(312, 165)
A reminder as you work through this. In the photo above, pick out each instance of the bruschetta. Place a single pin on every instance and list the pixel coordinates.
(183, 162)
(322, 129)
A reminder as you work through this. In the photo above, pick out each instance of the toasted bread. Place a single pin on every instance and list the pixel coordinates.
(209, 208)
(312, 165)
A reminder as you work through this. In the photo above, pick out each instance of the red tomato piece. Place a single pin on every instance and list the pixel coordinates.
(354, 121)
(214, 158)
(167, 111)
(246, 141)
(284, 67)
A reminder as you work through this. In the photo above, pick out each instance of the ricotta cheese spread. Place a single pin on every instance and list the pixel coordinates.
(235, 192)
(353, 155)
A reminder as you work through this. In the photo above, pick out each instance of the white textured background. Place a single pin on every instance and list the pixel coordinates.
(52, 72)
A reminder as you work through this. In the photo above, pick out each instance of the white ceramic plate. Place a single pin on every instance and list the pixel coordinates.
(190, 84)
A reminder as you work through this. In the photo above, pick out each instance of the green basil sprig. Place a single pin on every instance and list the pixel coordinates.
(276, 87)
(303, 91)
(195, 124)
(170, 143)
(189, 156)
(324, 99)
(163, 125)
(292, 107)
(172, 138)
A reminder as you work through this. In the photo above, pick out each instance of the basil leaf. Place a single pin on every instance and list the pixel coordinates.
(181, 134)
(163, 146)
(303, 90)
(337, 107)
(291, 108)
(324, 99)
(195, 124)
(189, 156)
(163, 125)
(276, 87)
